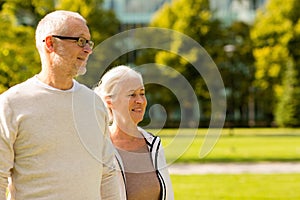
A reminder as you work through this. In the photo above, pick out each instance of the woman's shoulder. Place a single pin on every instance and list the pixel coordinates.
(146, 134)
(149, 137)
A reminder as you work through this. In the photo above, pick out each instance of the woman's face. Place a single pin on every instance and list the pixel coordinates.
(129, 103)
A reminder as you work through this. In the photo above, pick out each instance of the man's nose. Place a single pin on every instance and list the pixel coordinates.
(87, 49)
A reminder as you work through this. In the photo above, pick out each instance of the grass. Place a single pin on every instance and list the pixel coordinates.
(237, 145)
(234, 145)
(242, 186)
(238, 149)
(229, 131)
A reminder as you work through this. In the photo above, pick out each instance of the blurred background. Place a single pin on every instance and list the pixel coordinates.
(255, 46)
(254, 43)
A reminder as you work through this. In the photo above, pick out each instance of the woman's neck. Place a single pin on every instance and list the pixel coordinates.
(126, 139)
(125, 132)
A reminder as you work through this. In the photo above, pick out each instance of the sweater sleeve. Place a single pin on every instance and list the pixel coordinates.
(109, 185)
(7, 138)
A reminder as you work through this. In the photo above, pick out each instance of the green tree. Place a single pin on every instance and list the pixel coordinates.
(19, 59)
(237, 70)
(18, 55)
(287, 110)
(276, 35)
(194, 19)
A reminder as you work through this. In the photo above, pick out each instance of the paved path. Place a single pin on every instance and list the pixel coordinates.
(236, 168)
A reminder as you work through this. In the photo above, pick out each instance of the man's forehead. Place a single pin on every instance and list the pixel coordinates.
(79, 27)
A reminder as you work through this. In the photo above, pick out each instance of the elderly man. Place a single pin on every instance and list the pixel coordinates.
(54, 140)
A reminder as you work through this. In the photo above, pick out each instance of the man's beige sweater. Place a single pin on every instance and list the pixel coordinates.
(55, 144)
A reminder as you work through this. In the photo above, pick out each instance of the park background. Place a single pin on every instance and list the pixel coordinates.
(254, 44)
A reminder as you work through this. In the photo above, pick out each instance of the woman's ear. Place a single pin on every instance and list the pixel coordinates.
(108, 101)
(49, 43)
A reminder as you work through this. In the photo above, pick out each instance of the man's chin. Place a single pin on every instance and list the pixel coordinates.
(81, 71)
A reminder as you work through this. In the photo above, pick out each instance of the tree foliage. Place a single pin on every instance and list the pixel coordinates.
(287, 110)
(19, 59)
(237, 70)
(194, 19)
(276, 35)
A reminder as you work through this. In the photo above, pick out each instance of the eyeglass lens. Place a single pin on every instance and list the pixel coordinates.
(82, 42)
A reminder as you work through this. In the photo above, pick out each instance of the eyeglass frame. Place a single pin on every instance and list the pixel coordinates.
(85, 41)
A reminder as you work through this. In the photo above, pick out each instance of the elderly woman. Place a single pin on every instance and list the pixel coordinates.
(139, 154)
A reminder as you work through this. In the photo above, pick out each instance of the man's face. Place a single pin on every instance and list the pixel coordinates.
(69, 57)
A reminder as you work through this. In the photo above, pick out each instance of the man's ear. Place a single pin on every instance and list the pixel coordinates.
(49, 43)
(108, 101)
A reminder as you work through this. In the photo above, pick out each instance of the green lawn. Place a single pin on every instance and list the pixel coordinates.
(238, 145)
(237, 187)
(234, 145)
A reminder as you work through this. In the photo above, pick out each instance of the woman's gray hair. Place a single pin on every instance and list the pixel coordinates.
(109, 82)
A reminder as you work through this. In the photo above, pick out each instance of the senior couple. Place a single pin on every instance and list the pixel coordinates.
(61, 140)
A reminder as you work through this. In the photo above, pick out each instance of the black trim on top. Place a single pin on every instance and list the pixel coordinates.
(153, 142)
(156, 155)
(163, 189)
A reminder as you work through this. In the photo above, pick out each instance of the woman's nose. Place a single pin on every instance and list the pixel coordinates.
(140, 99)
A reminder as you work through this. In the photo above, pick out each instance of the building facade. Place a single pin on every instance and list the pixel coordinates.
(140, 12)
(134, 11)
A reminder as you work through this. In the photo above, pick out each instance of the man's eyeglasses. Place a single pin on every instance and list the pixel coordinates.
(80, 40)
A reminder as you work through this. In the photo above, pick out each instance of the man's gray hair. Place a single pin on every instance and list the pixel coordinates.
(54, 23)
